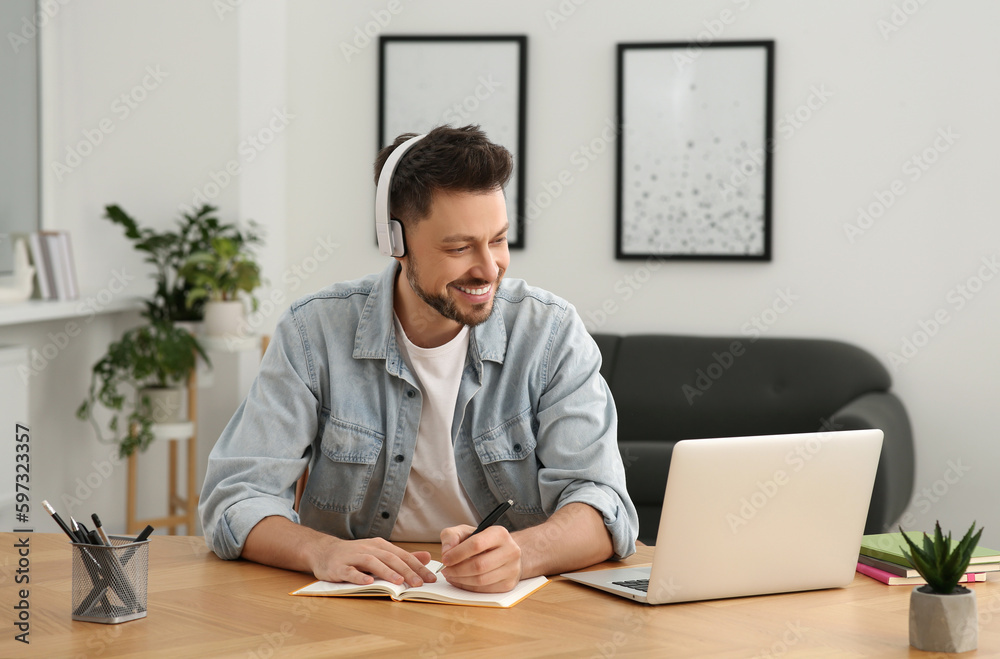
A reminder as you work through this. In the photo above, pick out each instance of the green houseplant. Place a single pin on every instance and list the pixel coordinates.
(167, 251)
(221, 277)
(943, 614)
(159, 355)
(139, 378)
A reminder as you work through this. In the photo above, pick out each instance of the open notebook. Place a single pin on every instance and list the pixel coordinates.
(439, 592)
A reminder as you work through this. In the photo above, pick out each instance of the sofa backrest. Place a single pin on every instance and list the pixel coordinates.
(672, 387)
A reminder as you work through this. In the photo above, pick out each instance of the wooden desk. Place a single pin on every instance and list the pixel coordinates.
(202, 606)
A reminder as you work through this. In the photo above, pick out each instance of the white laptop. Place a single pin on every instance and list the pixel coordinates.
(755, 515)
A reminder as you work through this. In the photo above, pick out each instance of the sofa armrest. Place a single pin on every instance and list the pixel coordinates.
(895, 476)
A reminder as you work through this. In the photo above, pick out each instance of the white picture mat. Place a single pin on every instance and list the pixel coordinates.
(693, 145)
(429, 83)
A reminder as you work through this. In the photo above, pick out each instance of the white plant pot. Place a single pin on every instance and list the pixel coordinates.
(943, 623)
(224, 318)
(166, 404)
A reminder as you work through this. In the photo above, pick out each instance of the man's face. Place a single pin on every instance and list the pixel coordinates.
(457, 255)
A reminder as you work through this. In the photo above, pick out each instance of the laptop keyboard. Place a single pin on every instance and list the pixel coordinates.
(637, 584)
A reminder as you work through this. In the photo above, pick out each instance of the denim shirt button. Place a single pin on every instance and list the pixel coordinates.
(517, 447)
(410, 393)
(399, 458)
(385, 515)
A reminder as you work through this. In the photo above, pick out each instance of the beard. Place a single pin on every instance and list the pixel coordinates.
(446, 305)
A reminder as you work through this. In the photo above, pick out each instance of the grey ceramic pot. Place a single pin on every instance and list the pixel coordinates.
(943, 623)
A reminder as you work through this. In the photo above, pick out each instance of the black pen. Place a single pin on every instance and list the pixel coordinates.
(78, 532)
(51, 511)
(100, 529)
(139, 538)
(493, 517)
(489, 521)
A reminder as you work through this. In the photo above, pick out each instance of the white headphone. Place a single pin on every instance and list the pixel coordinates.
(389, 231)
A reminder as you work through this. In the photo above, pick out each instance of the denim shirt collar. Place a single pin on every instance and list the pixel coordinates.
(376, 334)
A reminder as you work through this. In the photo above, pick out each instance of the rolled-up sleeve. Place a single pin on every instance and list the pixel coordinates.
(265, 448)
(578, 435)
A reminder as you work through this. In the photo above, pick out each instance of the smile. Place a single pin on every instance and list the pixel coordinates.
(475, 291)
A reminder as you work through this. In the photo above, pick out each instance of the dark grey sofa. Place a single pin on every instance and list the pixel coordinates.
(668, 388)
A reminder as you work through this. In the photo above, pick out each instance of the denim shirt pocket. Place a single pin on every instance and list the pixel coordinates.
(507, 453)
(348, 458)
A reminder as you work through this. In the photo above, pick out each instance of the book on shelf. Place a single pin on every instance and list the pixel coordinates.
(896, 580)
(43, 270)
(889, 547)
(60, 257)
(439, 592)
(52, 254)
(904, 571)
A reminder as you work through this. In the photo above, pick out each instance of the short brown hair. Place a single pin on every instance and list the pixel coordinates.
(449, 159)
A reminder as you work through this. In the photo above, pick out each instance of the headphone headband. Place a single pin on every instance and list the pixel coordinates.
(388, 230)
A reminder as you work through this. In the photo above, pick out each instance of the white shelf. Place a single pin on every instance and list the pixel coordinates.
(39, 311)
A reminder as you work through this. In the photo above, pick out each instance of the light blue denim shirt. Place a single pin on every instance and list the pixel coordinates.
(534, 421)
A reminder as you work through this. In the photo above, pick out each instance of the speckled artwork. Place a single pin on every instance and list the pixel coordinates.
(427, 82)
(693, 171)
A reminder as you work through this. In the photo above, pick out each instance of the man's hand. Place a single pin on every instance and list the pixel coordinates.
(282, 543)
(363, 561)
(488, 562)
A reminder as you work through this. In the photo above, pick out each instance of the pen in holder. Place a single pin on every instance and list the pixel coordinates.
(109, 583)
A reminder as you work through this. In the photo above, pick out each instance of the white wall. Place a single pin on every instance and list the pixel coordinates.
(889, 96)
(888, 99)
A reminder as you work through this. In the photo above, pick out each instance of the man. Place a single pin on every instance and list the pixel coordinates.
(421, 398)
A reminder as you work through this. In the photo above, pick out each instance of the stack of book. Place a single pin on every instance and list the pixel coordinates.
(882, 558)
(52, 255)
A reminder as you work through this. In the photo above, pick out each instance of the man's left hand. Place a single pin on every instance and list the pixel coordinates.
(488, 562)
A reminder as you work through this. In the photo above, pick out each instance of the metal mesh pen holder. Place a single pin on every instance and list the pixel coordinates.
(109, 583)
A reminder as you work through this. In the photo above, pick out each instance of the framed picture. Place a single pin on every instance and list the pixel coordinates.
(428, 81)
(694, 150)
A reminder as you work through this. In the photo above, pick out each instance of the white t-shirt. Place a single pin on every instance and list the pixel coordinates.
(434, 497)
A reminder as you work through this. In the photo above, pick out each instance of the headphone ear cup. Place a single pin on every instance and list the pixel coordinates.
(398, 238)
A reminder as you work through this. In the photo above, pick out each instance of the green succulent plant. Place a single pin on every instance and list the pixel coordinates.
(939, 562)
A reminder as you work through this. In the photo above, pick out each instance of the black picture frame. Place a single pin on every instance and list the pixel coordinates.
(694, 150)
(429, 80)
